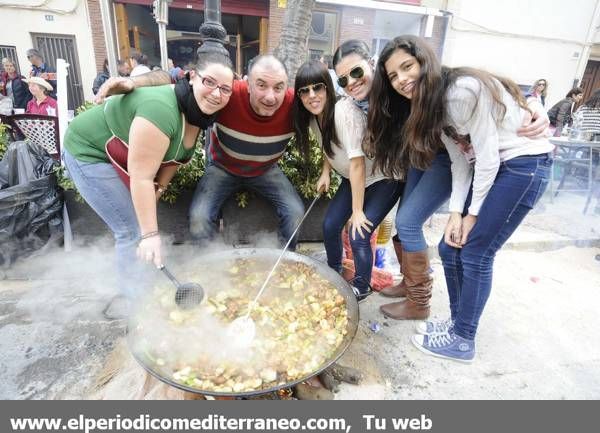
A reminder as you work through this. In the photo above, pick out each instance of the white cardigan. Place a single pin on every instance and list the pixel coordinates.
(350, 126)
(470, 111)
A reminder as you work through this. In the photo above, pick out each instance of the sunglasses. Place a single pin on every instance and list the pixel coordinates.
(356, 72)
(305, 91)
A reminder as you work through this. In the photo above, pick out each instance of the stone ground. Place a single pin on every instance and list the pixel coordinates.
(537, 339)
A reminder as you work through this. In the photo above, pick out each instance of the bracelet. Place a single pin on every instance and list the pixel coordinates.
(160, 188)
(150, 235)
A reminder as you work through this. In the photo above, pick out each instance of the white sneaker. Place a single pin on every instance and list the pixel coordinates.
(432, 327)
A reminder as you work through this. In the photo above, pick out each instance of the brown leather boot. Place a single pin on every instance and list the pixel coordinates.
(399, 290)
(418, 285)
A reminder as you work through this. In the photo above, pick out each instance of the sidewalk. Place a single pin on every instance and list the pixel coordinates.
(537, 337)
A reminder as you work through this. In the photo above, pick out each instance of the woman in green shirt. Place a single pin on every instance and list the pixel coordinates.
(123, 154)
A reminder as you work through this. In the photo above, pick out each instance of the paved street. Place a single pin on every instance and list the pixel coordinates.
(537, 336)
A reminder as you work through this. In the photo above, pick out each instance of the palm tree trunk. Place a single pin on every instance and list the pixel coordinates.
(292, 48)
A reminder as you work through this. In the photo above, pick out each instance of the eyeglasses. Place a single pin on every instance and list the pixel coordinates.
(356, 72)
(212, 84)
(305, 91)
(542, 84)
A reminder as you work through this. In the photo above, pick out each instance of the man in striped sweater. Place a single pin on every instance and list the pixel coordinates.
(248, 138)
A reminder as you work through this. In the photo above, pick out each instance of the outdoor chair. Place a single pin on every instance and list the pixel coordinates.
(38, 129)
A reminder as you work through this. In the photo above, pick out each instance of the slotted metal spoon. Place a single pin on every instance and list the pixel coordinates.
(188, 295)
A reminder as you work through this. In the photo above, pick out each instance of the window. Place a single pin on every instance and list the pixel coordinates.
(10, 52)
(323, 34)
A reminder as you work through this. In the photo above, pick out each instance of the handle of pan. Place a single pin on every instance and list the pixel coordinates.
(281, 256)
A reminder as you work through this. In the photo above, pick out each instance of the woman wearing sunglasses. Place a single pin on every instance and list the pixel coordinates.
(497, 175)
(364, 196)
(123, 154)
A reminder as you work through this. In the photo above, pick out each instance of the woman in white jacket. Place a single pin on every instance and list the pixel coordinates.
(497, 175)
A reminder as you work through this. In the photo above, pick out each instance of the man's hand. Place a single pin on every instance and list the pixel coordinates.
(114, 86)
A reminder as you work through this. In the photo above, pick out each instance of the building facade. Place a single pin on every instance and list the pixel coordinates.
(58, 29)
(526, 41)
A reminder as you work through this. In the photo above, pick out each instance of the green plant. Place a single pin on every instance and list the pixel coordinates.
(65, 182)
(3, 139)
(86, 106)
(304, 176)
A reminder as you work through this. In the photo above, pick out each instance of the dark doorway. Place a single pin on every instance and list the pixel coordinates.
(591, 79)
(64, 47)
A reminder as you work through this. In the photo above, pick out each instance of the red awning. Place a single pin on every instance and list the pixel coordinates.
(257, 8)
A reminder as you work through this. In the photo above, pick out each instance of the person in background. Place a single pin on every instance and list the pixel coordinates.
(174, 71)
(590, 114)
(41, 69)
(123, 68)
(139, 64)
(101, 77)
(41, 103)
(327, 60)
(561, 113)
(13, 86)
(539, 90)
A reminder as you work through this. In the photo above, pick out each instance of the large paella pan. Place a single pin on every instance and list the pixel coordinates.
(305, 321)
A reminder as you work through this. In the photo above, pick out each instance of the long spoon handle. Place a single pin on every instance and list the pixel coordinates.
(170, 275)
(280, 257)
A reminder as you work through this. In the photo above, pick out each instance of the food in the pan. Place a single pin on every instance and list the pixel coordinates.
(300, 323)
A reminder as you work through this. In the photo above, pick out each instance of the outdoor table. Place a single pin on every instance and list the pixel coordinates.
(572, 146)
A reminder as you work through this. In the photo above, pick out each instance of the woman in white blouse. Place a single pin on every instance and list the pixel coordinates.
(497, 175)
(364, 196)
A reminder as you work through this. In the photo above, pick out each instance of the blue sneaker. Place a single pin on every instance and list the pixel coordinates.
(431, 327)
(447, 346)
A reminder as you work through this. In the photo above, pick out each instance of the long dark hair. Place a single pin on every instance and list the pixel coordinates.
(403, 133)
(314, 72)
(351, 46)
(593, 101)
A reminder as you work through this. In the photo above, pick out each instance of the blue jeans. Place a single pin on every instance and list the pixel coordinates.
(217, 185)
(380, 197)
(424, 193)
(519, 184)
(102, 189)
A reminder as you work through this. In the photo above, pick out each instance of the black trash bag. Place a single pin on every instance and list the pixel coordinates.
(31, 202)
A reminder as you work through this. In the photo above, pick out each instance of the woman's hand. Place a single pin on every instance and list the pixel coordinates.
(467, 225)
(114, 86)
(453, 231)
(323, 182)
(358, 223)
(536, 125)
(149, 250)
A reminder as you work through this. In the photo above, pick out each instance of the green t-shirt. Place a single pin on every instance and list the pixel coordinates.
(89, 131)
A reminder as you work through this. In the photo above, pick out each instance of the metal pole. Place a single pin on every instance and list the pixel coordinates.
(213, 33)
(109, 36)
(161, 15)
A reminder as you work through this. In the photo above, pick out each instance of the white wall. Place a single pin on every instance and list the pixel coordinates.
(523, 40)
(70, 17)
